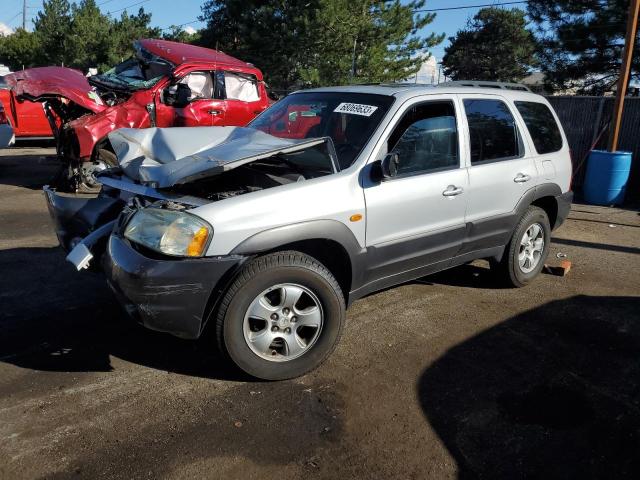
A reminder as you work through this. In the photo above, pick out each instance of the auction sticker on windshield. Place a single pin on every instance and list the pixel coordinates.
(356, 109)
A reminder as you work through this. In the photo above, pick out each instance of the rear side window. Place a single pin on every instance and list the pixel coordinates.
(241, 86)
(492, 130)
(542, 126)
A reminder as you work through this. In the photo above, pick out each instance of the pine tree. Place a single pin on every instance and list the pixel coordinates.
(495, 46)
(581, 43)
(314, 42)
(52, 26)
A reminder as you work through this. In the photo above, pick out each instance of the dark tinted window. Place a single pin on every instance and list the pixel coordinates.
(492, 130)
(426, 139)
(541, 125)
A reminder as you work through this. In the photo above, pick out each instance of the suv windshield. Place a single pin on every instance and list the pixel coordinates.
(134, 74)
(348, 118)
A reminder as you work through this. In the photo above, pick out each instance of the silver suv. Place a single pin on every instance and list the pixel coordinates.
(266, 234)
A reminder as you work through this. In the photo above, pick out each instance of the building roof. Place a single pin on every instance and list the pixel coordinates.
(178, 53)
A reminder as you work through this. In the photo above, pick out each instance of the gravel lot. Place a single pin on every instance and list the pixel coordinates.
(447, 377)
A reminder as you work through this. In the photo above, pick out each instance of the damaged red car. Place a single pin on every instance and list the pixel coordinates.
(165, 84)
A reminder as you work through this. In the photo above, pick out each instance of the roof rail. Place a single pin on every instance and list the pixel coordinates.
(391, 84)
(486, 84)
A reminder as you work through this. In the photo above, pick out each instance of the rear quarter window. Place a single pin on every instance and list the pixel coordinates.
(493, 132)
(542, 126)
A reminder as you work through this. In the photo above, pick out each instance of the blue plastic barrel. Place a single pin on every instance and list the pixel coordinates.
(607, 175)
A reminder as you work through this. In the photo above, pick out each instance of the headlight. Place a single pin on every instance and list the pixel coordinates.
(170, 232)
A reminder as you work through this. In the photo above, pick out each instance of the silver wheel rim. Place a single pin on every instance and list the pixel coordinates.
(531, 248)
(283, 322)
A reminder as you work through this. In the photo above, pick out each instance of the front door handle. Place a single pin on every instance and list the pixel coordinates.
(522, 178)
(452, 191)
(214, 112)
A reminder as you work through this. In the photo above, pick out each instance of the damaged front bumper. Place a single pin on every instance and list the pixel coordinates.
(167, 295)
(78, 218)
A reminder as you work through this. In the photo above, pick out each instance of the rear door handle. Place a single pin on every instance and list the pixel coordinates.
(452, 191)
(522, 178)
(214, 112)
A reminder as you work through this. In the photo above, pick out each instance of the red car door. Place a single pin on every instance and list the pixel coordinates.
(190, 102)
(245, 97)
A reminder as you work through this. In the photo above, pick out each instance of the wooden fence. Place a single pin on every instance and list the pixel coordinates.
(585, 121)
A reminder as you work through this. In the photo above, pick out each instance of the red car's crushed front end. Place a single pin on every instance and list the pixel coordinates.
(165, 84)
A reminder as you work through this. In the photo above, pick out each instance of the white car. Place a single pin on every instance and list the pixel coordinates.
(267, 233)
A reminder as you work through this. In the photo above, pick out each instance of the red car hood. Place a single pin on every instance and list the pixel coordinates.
(41, 83)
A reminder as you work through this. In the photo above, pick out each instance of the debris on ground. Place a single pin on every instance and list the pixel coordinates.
(560, 271)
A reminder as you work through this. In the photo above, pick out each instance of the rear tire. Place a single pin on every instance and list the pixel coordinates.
(528, 249)
(281, 317)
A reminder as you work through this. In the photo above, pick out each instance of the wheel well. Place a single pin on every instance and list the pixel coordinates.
(550, 206)
(328, 252)
(103, 144)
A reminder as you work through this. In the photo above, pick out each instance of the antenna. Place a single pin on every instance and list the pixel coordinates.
(24, 14)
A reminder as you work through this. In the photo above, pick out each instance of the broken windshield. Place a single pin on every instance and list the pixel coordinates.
(349, 119)
(134, 74)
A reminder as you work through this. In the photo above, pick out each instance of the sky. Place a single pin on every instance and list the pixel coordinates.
(172, 12)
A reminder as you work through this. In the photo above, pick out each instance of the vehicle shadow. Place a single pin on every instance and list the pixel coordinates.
(550, 393)
(55, 319)
(469, 275)
(28, 170)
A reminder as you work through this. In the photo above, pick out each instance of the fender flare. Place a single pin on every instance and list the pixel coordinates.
(333, 230)
(535, 193)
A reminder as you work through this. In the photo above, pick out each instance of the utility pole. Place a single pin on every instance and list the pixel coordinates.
(24, 14)
(625, 69)
(353, 59)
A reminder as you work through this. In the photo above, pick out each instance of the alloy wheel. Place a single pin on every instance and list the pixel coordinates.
(283, 322)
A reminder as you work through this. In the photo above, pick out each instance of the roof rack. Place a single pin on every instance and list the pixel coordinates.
(391, 84)
(486, 84)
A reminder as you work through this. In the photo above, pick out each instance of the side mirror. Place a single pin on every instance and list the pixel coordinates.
(272, 95)
(389, 165)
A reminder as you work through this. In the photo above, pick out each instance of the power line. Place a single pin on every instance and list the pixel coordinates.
(13, 18)
(462, 7)
(128, 6)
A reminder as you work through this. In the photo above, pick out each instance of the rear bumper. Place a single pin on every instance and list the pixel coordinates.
(170, 296)
(564, 207)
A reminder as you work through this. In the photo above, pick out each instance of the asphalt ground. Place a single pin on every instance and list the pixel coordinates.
(450, 376)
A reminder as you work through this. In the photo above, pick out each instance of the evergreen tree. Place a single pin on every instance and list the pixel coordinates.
(20, 49)
(88, 36)
(125, 30)
(76, 35)
(52, 26)
(368, 41)
(314, 42)
(495, 46)
(272, 34)
(582, 41)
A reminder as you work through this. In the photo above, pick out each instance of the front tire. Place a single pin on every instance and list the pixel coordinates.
(527, 250)
(281, 317)
(104, 159)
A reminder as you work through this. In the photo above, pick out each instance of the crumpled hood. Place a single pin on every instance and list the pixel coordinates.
(40, 83)
(163, 157)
